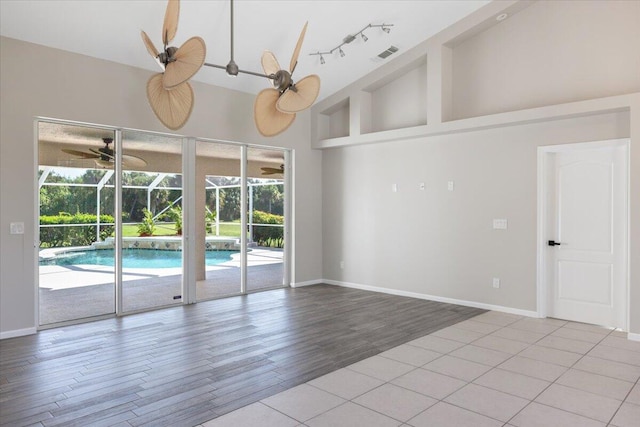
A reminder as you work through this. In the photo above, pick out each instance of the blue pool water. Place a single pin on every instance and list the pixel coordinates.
(134, 258)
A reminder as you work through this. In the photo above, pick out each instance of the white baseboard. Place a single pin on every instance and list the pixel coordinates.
(17, 333)
(474, 304)
(633, 337)
(307, 283)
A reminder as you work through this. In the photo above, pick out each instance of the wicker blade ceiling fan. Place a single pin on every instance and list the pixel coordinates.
(169, 93)
(171, 96)
(275, 108)
(105, 156)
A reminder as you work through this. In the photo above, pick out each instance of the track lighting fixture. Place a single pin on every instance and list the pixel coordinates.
(351, 37)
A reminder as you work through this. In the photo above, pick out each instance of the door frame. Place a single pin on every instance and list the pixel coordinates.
(542, 282)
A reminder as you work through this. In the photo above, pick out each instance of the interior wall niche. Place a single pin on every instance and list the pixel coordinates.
(399, 100)
(546, 54)
(334, 122)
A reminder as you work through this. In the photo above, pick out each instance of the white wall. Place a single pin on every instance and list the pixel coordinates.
(441, 243)
(552, 73)
(550, 53)
(39, 81)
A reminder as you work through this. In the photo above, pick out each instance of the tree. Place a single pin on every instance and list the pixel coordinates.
(268, 198)
(230, 206)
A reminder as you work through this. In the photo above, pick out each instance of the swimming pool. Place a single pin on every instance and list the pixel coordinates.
(133, 258)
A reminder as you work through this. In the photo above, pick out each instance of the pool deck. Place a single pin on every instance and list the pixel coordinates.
(55, 277)
(82, 291)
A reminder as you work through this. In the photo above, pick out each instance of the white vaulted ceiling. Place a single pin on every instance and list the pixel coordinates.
(110, 29)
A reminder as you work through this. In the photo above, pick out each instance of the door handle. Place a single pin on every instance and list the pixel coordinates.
(554, 243)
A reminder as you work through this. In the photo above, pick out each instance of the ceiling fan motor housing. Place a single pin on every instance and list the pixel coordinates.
(168, 55)
(107, 152)
(282, 80)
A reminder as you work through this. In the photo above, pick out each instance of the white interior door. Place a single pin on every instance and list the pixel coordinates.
(587, 234)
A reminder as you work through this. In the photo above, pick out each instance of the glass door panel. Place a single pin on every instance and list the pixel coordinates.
(151, 221)
(76, 224)
(218, 227)
(266, 216)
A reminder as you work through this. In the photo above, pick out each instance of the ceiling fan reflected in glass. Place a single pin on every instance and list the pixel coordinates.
(105, 156)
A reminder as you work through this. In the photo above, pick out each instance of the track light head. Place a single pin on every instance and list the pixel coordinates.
(341, 52)
(321, 60)
(364, 38)
(386, 29)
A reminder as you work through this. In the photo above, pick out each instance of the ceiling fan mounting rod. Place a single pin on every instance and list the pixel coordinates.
(232, 68)
(222, 67)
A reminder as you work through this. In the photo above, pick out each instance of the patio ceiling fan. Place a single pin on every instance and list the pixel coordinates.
(105, 156)
(272, 171)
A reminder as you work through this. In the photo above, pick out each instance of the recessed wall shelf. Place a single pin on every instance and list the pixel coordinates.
(457, 81)
(333, 122)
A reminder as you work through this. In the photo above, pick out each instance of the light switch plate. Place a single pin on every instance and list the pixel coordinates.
(394, 188)
(496, 282)
(450, 185)
(499, 224)
(421, 186)
(17, 228)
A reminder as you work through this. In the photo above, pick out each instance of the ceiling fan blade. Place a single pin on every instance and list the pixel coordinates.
(127, 159)
(101, 153)
(170, 26)
(296, 52)
(81, 154)
(172, 107)
(271, 171)
(269, 63)
(188, 60)
(106, 164)
(269, 120)
(149, 44)
(132, 161)
(294, 101)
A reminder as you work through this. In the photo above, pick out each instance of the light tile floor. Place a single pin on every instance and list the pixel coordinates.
(496, 369)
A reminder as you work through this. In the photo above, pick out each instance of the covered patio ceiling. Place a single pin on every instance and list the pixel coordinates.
(161, 152)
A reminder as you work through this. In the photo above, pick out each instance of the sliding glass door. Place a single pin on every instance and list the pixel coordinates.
(131, 220)
(76, 223)
(151, 209)
(218, 224)
(266, 218)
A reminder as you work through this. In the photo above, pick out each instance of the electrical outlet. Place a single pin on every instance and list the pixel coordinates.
(496, 282)
(500, 224)
(341, 265)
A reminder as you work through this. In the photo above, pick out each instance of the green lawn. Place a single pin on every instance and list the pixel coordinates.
(168, 229)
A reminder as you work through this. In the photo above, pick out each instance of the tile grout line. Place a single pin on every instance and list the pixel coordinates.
(554, 382)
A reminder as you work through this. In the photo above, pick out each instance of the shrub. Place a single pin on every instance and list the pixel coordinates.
(148, 224)
(268, 236)
(210, 221)
(175, 214)
(80, 235)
